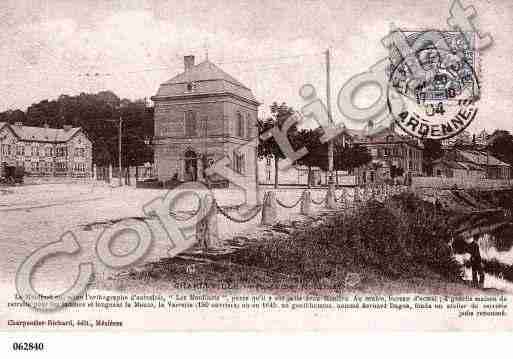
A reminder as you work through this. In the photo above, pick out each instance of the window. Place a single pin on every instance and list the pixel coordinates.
(60, 166)
(204, 124)
(249, 125)
(238, 162)
(190, 124)
(20, 151)
(191, 86)
(240, 125)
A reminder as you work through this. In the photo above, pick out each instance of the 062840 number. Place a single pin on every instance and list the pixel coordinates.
(17, 346)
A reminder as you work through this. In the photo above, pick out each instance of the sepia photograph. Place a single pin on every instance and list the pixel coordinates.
(235, 165)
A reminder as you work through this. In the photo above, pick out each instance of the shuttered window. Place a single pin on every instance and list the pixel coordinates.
(239, 164)
(240, 125)
(190, 124)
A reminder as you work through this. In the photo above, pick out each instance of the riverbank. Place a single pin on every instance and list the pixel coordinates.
(400, 246)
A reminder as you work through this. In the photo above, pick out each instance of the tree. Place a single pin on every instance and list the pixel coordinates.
(345, 157)
(501, 146)
(12, 117)
(269, 147)
(317, 152)
(431, 152)
(396, 171)
(97, 114)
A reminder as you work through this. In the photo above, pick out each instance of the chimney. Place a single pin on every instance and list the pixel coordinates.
(66, 128)
(188, 62)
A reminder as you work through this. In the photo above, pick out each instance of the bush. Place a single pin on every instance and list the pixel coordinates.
(402, 238)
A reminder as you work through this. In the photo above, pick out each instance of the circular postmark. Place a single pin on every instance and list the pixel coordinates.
(433, 94)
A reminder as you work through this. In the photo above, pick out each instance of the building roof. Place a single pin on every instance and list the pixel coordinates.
(481, 158)
(458, 165)
(382, 138)
(44, 134)
(204, 71)
(221, 82)
(471, 166)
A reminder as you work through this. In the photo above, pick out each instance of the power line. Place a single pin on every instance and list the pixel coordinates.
(166, 68)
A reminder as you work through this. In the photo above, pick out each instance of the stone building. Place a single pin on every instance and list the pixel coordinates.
(202, 115)
(477, 165)
(390, 151)
(44, 151)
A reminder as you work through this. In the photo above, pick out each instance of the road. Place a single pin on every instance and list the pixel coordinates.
(33, 216)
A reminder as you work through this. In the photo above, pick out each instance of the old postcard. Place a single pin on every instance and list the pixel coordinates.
(243, 165)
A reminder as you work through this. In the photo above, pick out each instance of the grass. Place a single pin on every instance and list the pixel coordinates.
(397, 246)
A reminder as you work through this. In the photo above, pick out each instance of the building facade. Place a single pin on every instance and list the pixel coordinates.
(44, 151)
(471, 164)
(393, 155)
(203, 115)
(446, 168)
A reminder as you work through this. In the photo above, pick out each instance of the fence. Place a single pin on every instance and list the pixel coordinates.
(443, 182)
(129, 175)
(346, 200)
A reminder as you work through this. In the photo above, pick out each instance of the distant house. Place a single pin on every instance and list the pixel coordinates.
(494, 168)
(461, 170)
(482, 138)
(470, 164)
(464, 138)
(390, 153)
(44, 151)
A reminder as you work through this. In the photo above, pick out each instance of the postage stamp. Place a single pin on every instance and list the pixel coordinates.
(434, 84)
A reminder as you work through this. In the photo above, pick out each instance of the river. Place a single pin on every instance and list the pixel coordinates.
(496, 249)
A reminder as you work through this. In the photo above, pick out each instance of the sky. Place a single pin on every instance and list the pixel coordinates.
(59, 47)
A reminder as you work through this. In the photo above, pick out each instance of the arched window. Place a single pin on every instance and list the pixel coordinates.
(240, 125)
(249, 125)
(190, 124)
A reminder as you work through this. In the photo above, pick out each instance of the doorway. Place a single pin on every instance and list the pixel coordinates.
(191, 166)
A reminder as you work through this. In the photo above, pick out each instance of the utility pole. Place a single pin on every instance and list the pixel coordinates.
(330, 118)
(119, 148)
